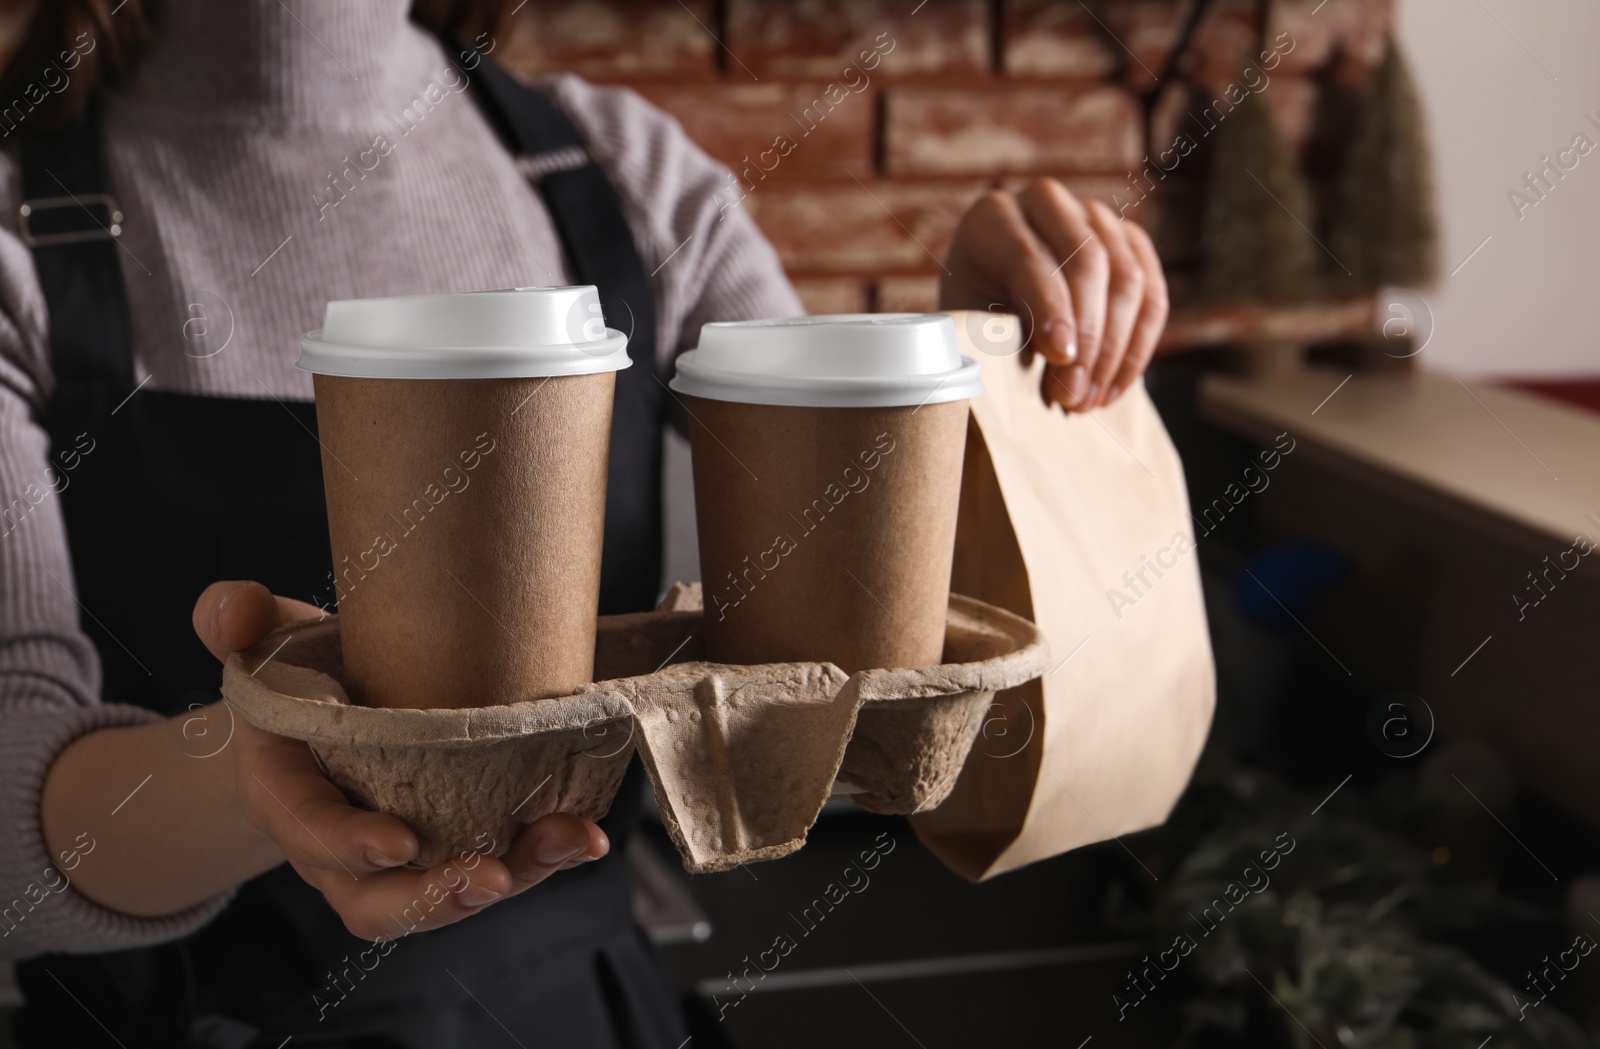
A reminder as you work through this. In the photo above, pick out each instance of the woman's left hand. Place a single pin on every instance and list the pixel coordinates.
(1087, 285)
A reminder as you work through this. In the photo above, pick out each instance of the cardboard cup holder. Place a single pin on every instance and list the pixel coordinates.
(742, 758)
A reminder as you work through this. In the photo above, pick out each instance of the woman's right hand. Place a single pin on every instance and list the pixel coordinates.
(352, 856)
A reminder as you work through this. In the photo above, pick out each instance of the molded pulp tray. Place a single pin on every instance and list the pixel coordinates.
(742, 758)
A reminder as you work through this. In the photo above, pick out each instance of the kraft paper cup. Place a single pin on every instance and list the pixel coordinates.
(465, 442)
(827, 465)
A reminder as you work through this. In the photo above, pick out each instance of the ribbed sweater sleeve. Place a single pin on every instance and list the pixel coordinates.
(49, 673)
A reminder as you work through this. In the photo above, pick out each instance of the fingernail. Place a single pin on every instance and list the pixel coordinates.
(475, 895)
(378, 859)
(216, 613)
(553, 851)
(1063, 342)
(1089, 398)
(1077, 379)
(1115, 393)
(1066, 342)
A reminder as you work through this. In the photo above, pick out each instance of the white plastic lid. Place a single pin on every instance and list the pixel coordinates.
(848, 360)
(515, 333)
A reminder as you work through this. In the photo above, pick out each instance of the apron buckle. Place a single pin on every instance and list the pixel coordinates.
(65, 233)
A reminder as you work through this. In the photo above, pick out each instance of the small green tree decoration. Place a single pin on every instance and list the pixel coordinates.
(1255, 243)
(1383, 227)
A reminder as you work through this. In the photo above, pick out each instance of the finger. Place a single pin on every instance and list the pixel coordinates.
(549, 843)
(286, 795)
(1152, 314)
(1021, 265)
(1124, 298)
(1060, 221)
(233, 615)
(1067, 386)
(392, 904)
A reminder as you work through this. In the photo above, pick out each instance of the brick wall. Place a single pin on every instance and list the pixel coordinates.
(898, 113)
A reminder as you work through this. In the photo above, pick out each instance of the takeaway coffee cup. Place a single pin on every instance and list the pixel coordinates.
(827, 469)
(464, 450)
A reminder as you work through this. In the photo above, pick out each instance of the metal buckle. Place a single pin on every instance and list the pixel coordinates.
(29, 207)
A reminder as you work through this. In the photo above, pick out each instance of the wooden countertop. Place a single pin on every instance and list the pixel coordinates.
(1522, 459)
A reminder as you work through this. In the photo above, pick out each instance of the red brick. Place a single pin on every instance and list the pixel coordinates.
(1061, 38)
(613, 39)
(953, 131)
(820, 38)
(1052, 38)
(738, 123)
(834, 294)
(908, 295)
(877, 227)
(1355, 28)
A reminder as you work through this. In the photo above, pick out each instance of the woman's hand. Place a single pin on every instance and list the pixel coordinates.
(353, 856)
(1087, 285)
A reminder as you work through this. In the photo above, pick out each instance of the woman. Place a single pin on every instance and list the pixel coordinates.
(181, 207)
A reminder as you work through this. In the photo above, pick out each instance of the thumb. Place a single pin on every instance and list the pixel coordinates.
(233, 615)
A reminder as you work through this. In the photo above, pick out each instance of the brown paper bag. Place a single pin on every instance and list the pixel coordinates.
(1054, 510)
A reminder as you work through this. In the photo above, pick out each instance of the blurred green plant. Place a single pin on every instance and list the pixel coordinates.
(1346, 946)
(1382, 224)
(1254, 244)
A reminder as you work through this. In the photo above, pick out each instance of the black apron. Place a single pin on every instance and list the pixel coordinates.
(181, 491)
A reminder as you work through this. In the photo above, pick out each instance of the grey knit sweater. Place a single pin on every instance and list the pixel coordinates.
(220, 148)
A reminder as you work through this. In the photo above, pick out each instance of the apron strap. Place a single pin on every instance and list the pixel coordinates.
(599, 244)
(71, 222)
